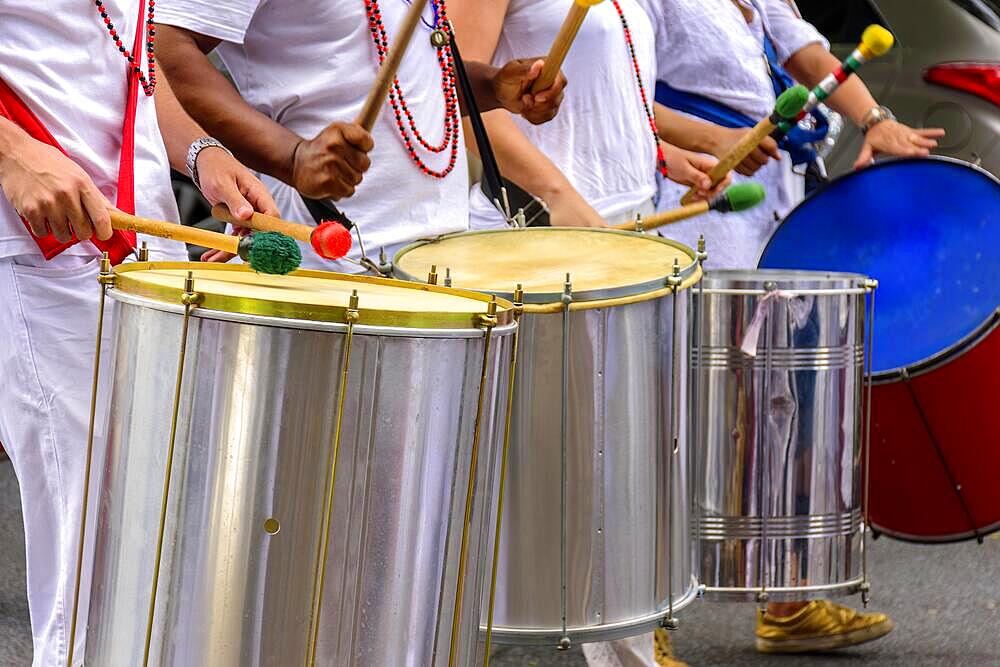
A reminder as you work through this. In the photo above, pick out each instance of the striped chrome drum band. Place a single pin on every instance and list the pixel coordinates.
(817, 358)
(802, 526)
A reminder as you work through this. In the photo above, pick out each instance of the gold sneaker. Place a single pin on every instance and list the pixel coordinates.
(663, 652)
(819, 626)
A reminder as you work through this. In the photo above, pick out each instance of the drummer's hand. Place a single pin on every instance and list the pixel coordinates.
(512, 87)
(332, 164)
(224, 180)
(893, 138)
(691, 169)
(568, 209)
(766, 151)
(52, 192)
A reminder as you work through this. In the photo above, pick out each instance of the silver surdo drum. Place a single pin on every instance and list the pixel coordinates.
(298, 471)
(593, 530)
(777, 392)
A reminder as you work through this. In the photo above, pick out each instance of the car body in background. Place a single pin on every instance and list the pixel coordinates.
(943, 72)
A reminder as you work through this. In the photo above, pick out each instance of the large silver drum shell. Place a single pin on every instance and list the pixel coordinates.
(625, 519)
(257, 421)
(777, 436)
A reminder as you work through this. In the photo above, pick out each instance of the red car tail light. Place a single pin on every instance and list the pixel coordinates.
(982, 79)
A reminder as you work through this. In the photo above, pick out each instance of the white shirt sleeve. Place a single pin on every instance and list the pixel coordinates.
(227, 20)
(790, 32)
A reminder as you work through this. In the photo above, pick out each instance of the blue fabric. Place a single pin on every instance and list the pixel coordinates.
(927, 229)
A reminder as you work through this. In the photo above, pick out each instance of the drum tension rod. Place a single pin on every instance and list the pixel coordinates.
(952, 482)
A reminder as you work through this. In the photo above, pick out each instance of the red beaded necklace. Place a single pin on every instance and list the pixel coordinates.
(661, 162)
(452, 118)
(148, 84)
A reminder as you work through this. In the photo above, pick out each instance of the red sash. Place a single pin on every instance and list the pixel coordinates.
(13, 108)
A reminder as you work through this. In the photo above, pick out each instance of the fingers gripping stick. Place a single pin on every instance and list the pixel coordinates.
(560, 47)
(330, 240)
(786, 108)
(735, 198)
(267, 253)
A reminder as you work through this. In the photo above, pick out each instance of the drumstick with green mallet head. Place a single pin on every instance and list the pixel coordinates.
(735, 198)
(786, 108)
(265, 252)
(875, 41)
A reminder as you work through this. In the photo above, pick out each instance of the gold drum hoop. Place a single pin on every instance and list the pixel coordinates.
(606, 267)
(310, 295)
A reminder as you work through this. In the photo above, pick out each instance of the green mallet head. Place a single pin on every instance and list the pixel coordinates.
(791, 101)
(270, 252)
(738, 198)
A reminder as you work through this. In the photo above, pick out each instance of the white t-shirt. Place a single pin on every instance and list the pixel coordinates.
(689, 58)
(601, 139)
(60, 60)
(307, 63)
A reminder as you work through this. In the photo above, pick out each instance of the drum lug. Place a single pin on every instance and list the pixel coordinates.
(384, 266)
(432, 277)
(106, 277)
(866, 597)
(701, 255)
(447, 277)
(190, 297)
(564, 644)
(763, 597)
(143, 252)
(638, 223)
(488, 320)
(669, 623)
(674, 279)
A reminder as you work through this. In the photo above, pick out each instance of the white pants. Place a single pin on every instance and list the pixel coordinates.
(48, 316)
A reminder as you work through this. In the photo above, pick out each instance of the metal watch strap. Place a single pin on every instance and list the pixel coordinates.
(194, 150)
(875, 116)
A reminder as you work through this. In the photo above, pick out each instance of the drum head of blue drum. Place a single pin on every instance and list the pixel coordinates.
(927, 229)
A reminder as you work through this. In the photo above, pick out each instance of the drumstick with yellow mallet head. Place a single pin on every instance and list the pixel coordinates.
(875, 41)
(787, 107)
(336, 236)
(266, 252)
(735, 198)
(560, 46)
(327, 238)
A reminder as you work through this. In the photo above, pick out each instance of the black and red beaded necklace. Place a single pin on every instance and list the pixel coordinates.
(148, 83)
(408, 130)
(661, 161)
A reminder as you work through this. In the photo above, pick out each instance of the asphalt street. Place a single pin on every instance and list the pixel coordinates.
(944, 600)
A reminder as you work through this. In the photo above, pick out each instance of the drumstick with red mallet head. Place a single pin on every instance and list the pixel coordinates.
(560, 46)
(875, 41)
(266, 252)
(332, 239)
(738, 197)
(329, 239)
(787, 107)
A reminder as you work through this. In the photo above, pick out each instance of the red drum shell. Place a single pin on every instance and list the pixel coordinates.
(948, 492)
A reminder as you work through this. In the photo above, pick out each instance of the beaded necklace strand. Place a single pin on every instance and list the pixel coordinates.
(148, 83)
(408, 130)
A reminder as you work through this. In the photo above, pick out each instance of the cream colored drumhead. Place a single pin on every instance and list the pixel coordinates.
(317, 295)
(601, 263)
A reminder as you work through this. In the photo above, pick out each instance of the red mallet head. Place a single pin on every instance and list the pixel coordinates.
(331, 240)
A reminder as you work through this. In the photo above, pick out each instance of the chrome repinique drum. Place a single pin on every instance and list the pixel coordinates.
(778, 383)
(299, 469)
(594, 537)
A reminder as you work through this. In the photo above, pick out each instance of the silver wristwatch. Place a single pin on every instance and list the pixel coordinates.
(875, 116)
(195, 149)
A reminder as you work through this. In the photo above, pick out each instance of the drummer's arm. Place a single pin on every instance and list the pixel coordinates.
(329, 165)
(810, 64)
(221, 178)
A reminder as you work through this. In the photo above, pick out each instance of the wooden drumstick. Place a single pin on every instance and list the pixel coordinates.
(560, 47)
(735, 198)
(376, 97)
(329, 239)
(787, 107)
(267, 253)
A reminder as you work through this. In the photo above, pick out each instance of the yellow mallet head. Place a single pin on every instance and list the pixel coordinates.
(876, 41)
